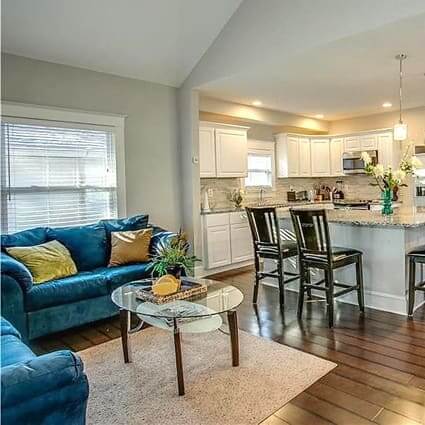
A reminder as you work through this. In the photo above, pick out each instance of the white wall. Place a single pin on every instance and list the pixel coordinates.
(151, 132)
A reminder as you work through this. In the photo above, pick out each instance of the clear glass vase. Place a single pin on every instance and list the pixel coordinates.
(387, 202)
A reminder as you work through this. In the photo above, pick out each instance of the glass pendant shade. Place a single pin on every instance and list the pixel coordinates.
(400, 131)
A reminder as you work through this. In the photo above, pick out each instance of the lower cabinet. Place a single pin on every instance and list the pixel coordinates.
(227, 239)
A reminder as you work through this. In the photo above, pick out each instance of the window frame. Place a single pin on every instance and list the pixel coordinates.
(262, 147)
(27, 113)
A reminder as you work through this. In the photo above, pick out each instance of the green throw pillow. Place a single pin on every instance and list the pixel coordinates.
(50, 260)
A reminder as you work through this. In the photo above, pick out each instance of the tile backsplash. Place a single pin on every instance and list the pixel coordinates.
(355, 187)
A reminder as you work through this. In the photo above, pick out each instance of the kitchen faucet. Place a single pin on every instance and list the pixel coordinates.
(260, 196)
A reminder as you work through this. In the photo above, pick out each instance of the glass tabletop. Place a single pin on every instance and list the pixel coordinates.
(219, 298)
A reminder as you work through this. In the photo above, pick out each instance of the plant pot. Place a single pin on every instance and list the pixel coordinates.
(176, 271)
(387, 202)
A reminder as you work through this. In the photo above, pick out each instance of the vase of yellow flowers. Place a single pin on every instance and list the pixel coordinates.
(388, 179)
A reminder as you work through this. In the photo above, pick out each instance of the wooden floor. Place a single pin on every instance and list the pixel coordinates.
(380, 377)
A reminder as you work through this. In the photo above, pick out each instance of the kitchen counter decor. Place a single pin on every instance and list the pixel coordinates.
(387, 179)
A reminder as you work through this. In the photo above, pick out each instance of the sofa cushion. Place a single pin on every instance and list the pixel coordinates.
(135, 222)
(29, 237)
(13, 350)
(6, 328)
(87, 244)
(81, 286)
(118, 276)
(47, 261)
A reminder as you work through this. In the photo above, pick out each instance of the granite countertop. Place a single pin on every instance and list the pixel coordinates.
(402, 218)
(271, 204)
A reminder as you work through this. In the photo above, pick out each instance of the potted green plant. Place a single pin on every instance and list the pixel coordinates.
(172, 257)
(389, 180)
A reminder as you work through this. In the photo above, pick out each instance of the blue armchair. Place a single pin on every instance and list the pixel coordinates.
(37, 310)
(47, 390)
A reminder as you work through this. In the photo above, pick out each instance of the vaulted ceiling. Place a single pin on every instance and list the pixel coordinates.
(153, 40)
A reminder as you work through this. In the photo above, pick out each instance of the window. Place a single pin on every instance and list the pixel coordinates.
(260, 165)
(56, 174)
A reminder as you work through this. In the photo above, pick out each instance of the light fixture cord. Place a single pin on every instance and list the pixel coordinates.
(401, 85)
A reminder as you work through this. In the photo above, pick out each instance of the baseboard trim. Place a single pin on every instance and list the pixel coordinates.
(201, 272)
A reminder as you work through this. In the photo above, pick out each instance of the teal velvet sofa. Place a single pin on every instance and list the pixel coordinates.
(47, 390)
(37, 310)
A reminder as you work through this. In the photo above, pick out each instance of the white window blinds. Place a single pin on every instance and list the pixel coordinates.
(54, 175)
(259, 170)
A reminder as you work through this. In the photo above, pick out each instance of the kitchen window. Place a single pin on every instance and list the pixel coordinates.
(56, 174)
(260, 165)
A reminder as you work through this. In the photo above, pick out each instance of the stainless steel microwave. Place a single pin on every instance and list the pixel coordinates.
(352, 162)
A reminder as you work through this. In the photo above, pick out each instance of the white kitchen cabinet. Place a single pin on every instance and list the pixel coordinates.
(287, 155)
(217, 240)
(227, 239)
(336, 153)
(304, 157)
(240, 242)
(207, 152)
(231, 148)
(320, 157)
(368, 142)
(389, 150)
(352, 144)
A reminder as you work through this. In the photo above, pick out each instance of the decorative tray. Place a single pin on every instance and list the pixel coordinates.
(187, 290)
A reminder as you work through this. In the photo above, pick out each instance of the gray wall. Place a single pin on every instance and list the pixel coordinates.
(151, 132)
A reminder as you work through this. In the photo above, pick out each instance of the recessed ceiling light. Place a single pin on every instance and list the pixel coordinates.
(319, 116)
(387, 104)
(257, 103)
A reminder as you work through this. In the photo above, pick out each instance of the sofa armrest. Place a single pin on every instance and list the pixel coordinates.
(21, 382)
(16, 270)
(160, 238)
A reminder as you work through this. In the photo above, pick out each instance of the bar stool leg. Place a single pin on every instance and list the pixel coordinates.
(308, 280)
(359, 279)
(330, 296)
(412, 280)
(281, 282)
(257, 280)
(301, 293)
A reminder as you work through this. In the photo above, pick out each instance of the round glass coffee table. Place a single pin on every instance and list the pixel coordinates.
(201, 314)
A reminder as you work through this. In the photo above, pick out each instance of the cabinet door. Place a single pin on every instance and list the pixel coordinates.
(336, 151)
(320, 157)
(368, 142)
(389, 150)
(207, 152)
(293, 157)
(241, 242)
(352, 144)
(304, 157)
(231, 153)
(218, 246)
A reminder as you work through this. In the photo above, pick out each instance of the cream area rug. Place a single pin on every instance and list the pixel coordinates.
(145, 391)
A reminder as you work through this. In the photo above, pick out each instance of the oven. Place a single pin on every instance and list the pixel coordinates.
(353, 164)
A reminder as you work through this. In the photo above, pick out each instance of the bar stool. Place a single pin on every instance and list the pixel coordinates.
(417, 256)
(267, 241)
(315, 251)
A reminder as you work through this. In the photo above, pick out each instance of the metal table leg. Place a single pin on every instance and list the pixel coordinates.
(179, 361)
(234, 336)
(125, 323)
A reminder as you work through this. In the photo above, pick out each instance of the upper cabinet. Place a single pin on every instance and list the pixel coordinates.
(288, 155)
(304, 147)
(320, 157)
(223, 150)
(336, 152)
(207, 162)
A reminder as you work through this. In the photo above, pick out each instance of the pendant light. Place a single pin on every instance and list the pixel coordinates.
(400, 129)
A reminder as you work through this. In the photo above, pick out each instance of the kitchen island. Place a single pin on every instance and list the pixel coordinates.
(384, 241)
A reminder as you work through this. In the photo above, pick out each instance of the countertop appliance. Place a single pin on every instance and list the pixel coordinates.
(357, 204)
(293, 196)
(419, 193)
(353, 164)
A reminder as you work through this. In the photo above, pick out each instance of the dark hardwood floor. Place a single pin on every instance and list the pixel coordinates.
(380, 377)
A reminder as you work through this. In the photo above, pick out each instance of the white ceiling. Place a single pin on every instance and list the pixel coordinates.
(152, 40)
(349, 77)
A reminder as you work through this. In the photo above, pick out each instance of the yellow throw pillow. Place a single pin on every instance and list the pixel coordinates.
(48, 261)
(130, 247)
